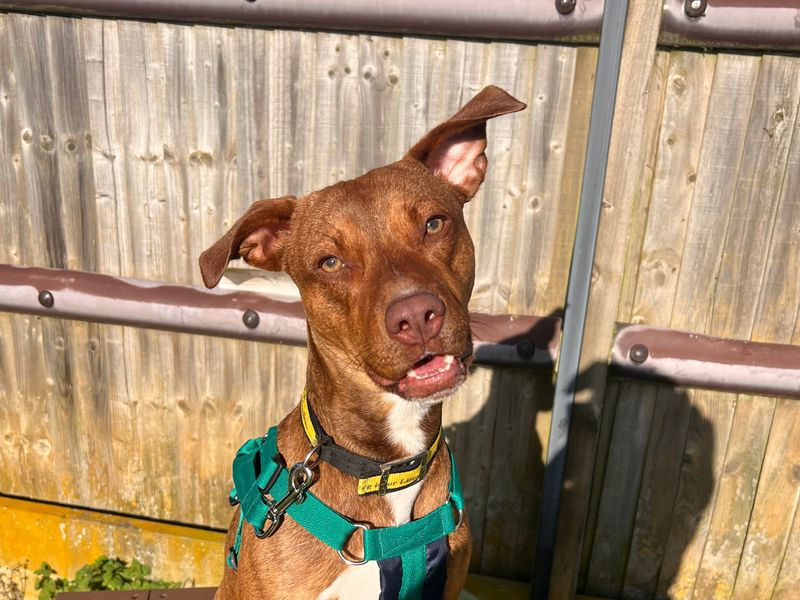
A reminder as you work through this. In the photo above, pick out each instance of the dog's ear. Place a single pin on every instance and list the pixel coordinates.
(257, 237)
(454, 150)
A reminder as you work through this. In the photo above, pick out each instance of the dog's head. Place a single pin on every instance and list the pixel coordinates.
(384, 262)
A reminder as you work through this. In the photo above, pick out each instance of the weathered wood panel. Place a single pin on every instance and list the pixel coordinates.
(128, 147)
(715, 252)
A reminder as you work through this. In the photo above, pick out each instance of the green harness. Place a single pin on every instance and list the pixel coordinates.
(266, 490)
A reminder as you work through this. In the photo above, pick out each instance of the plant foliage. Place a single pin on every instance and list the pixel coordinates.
(103, 574)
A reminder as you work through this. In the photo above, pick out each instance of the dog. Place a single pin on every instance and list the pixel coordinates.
(385, 267)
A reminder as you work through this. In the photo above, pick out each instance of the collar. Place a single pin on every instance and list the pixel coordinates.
(373, 476)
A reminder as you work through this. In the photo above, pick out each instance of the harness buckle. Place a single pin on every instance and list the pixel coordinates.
(301, 477)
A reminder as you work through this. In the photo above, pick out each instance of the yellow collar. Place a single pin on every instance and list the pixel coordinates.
(373, 476)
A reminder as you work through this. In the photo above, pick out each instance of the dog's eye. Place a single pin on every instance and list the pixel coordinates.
(330, 264)
(434, 225)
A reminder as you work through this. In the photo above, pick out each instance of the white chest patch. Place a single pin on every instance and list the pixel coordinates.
(404, 430)
(357, 583)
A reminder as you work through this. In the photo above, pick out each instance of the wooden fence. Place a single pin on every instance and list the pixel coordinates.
(128, 147)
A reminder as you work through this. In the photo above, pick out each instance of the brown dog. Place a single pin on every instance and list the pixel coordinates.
(385, 268)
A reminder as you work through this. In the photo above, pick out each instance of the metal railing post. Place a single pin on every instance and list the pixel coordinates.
(594, 172)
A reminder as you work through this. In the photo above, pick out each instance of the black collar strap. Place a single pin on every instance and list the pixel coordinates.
(373, 476)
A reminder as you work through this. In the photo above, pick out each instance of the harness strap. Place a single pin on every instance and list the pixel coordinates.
(373, 476)
(258, 471)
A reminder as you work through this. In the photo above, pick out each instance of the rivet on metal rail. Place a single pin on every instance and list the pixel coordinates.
(695, 8)
(565, 7)
(251, 318)
(638, 353)
(46, 299)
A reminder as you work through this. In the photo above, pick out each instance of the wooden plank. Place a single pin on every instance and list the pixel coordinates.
(638, 99)
(640, 203)
(515, 479)
(733, 503)
(492, 215)
(681, 133)
(469, 425)
(709, 428)
(600, 463)
(551, 299)
(758, 188)
(43, 411)
(12, 231)
(723, 143)
(536, 203)
(774, 507)
(626, 457)
(666, 445)
(789, 577)
(779, 299)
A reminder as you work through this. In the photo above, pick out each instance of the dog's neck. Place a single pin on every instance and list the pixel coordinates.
(365, 419)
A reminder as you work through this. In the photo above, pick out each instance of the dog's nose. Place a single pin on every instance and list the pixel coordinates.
(415, 319)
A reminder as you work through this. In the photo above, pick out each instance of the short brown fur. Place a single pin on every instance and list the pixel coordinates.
(375, 227)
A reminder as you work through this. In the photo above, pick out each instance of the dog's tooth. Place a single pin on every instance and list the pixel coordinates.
(448, 360)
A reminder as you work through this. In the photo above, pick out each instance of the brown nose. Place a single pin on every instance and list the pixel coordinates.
(415, 319)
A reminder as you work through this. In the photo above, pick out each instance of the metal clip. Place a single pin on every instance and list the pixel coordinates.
(301, 477)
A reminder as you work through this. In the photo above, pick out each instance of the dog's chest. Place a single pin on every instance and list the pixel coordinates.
(403, 425)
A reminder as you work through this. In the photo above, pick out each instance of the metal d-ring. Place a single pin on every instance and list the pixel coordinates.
(307, 460)
(346, 560)
(460, 512)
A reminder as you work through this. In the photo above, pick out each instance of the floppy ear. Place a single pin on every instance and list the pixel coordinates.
(454, 150)
(256, 237)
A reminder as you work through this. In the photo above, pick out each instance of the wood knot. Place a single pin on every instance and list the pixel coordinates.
(46, 143)
(199, 157)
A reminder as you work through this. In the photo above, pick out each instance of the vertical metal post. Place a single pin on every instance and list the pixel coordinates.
(594, 172)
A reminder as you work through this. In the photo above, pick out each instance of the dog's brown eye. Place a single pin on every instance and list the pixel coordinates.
(434, 225)
(330, 264)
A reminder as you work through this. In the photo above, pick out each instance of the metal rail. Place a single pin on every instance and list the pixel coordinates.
(564, 20)
(740, 24)
(691, 360)
(503, 340)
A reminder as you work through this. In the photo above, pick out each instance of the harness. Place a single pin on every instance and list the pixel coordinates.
(411, 557)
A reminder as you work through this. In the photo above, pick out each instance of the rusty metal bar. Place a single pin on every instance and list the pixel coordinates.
(511, 19)
(744, 24)
(503, 340)
(692, 360)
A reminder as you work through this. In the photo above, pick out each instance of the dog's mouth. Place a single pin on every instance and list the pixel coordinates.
(433, 377)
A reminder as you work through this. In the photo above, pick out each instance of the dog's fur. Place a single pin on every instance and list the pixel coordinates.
(397, 294)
